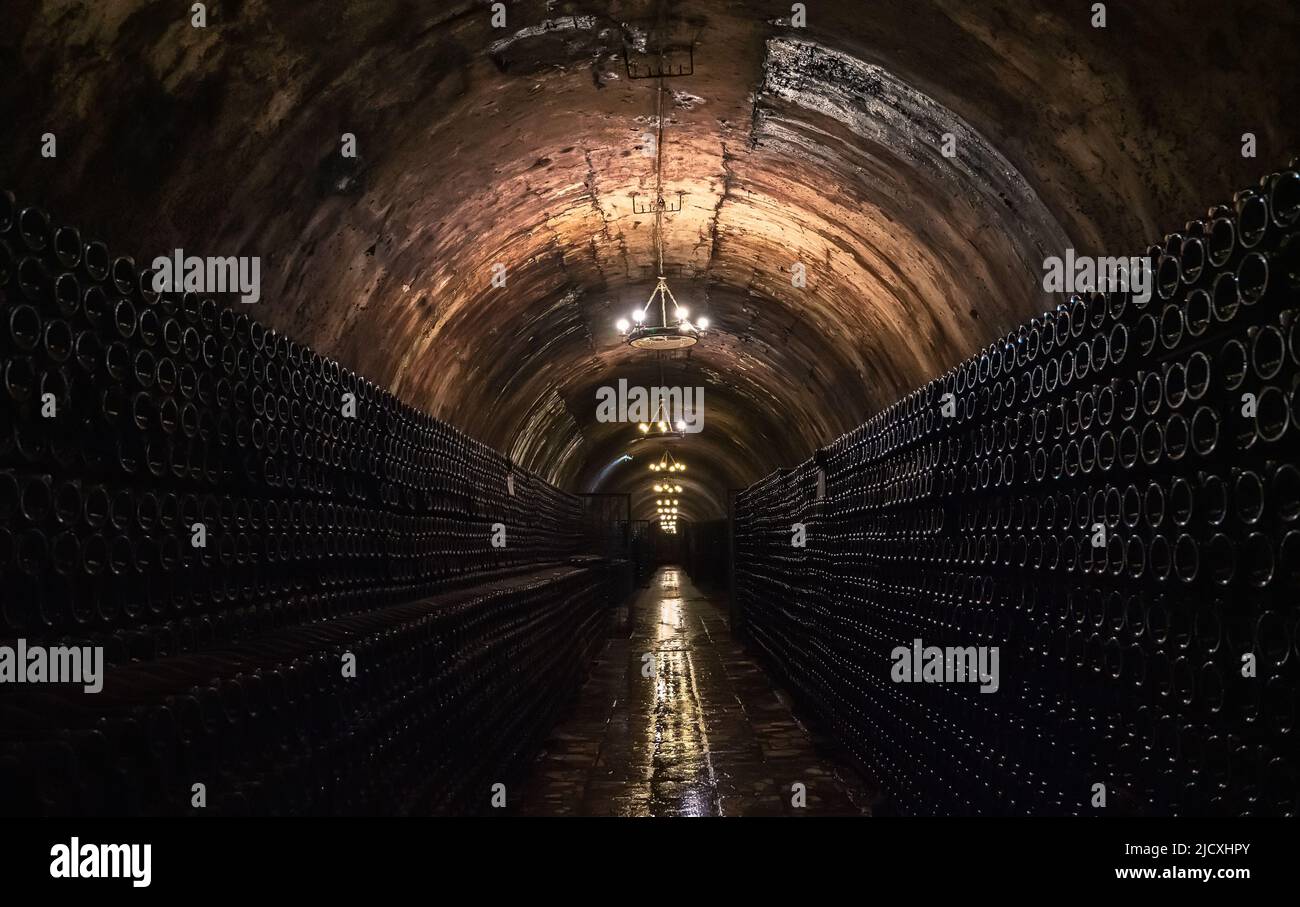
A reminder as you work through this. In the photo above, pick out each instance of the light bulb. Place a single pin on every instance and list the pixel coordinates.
(681, 312)
(643, 427)
(681, 426)
(677, 488)
(622, 325)
(638, 316)
(702, 324)
(663, 426)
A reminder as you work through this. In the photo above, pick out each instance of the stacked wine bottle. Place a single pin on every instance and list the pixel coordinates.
(233, 518)
(1110, 496)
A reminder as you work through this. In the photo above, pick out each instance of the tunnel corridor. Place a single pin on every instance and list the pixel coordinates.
(649, 408)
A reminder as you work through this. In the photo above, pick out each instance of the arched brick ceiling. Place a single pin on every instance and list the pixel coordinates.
(522, 146)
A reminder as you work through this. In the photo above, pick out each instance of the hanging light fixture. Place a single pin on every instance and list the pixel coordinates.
(671, 327)
(660, 423)
(668, 463)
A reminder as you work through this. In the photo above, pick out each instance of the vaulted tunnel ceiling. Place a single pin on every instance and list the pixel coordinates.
(522, 146)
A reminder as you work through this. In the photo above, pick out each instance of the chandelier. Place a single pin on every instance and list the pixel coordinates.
(667, 463)
(645, 332)
(666, 511)
(666, 507)
(661, 421)
(647, 329)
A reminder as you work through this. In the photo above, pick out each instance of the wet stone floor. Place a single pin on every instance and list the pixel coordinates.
(705, 735)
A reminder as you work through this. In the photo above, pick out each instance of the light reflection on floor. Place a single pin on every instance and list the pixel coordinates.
(676, 723)
(705, 735)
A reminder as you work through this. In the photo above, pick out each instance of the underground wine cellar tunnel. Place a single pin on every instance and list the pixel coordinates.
(452, 212)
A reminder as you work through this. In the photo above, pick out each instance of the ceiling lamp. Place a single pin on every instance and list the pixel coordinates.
(668, 464)
(660, 422)
(649, 330)
(670, 328)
